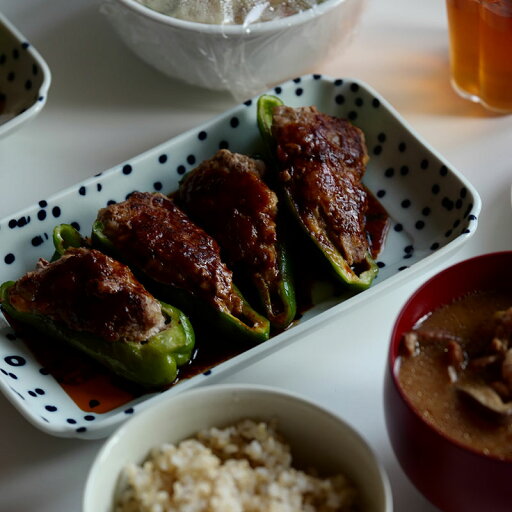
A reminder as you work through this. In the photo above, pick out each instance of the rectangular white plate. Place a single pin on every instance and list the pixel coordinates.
(433, 208)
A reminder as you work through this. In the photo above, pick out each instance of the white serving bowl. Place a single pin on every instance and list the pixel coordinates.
(317, 437)
(244, 60)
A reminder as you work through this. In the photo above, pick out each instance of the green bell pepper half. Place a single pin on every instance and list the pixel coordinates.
(152, 364)
(251, 327)
(356, 280)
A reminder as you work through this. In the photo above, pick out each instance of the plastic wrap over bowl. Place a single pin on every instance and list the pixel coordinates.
(242, 59)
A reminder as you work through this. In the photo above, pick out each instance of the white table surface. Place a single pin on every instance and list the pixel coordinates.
(105, 106)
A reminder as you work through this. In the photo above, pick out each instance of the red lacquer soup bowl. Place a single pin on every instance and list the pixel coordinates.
(453, 477)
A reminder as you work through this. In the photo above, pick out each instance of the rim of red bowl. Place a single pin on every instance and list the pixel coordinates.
(432, 295)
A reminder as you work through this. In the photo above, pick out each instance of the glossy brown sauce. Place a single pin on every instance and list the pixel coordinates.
(322, 160)
(154, 236)
(425, 380)
(87, 291)
(377, 224)
(93, 388)
(227, 196)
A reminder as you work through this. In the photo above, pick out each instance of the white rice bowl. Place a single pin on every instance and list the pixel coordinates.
(236, 448)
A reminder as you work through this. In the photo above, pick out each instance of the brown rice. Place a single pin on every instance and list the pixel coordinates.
(246, 467)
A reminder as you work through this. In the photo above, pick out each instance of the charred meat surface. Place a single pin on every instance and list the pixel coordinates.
(227, 196)
(90, 292)
(322, 160)
(153, 234)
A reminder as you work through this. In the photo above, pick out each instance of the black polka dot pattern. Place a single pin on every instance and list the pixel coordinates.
(15, 360)
(11, 375)
(408, 158)
(23, 85)
(37, 241)
(429, 203)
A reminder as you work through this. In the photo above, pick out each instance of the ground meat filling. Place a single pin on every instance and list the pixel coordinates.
(90, 292)
(322, 160)
(154, 235)
(227, 196)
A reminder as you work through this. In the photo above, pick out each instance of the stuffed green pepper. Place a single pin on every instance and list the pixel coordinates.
(227, 196)
(179, 262)
(95, 304)
(320, 161)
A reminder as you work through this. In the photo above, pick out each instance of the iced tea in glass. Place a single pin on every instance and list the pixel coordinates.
(481, 51)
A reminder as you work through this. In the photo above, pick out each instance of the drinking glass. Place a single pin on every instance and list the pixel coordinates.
(481, 51)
